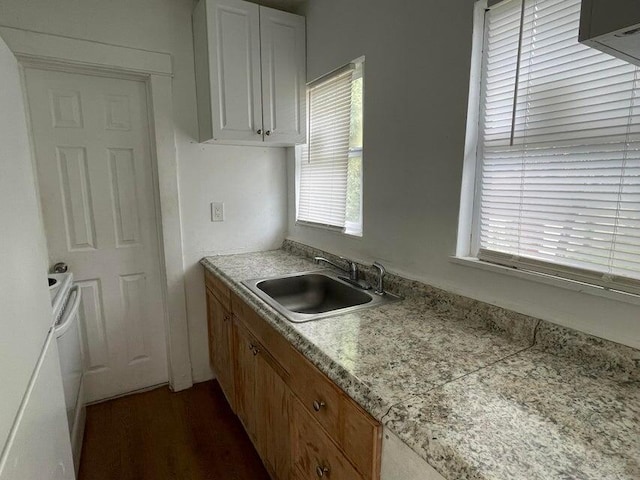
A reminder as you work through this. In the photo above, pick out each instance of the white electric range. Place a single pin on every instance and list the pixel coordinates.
(66, 300)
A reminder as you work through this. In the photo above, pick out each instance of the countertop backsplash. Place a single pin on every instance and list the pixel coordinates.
(548, 336)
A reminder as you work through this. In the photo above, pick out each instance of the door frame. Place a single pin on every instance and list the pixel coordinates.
(72, 55)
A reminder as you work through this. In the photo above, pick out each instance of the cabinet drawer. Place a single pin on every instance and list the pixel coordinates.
(351, 427)
(218, 288)
(314, 454)
(318, 394)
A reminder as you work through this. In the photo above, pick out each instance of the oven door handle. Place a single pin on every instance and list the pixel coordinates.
(70, 312)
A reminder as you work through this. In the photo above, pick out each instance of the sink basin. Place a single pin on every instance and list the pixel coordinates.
(312, 295)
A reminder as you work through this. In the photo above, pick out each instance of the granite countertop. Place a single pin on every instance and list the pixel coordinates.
(477, 391)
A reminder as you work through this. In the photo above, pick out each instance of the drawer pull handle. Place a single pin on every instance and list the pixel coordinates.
(317, 405)
(321, 471)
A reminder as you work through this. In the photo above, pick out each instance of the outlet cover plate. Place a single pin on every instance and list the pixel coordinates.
(217, 211)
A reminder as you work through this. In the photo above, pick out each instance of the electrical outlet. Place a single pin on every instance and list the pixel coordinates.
(217, 211)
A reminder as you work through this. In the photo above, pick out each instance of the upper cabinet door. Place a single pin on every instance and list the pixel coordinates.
(283, 44)
(227, 41)
(250, 74)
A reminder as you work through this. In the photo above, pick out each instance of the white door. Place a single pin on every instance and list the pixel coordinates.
(234, 50)
(95, 176)
(283, 76)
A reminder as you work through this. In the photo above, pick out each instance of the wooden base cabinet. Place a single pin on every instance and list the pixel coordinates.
(302, 425)
(244, 366)
(262, 401)
(220, 357)
(273, 400)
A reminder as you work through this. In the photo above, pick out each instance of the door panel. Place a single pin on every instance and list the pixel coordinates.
(78, 212)
(283, 75)
(96, 351)
(95, 177)
(122, 171)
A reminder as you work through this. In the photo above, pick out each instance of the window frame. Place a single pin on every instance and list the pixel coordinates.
(468, 239)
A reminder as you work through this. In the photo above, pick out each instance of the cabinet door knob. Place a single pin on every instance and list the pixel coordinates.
(321, 471)
(259, 132)
(256, 351)
(268, 132)
(251, 346)
(226, 318)
(317, 405)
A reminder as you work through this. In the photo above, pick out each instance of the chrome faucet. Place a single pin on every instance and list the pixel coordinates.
(352, 270)
(381, 273)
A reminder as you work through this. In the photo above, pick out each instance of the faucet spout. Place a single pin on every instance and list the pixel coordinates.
(352, 269)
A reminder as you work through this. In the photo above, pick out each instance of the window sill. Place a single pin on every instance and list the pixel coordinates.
(548, 280)
(347, 231)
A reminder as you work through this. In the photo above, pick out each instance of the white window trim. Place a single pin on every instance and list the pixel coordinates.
(468, 227)
(471, 166)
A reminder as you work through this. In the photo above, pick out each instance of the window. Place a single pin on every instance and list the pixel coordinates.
(329, 168)
(558, 154)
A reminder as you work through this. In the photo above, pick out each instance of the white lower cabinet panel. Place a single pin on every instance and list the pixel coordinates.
(39, 447)
(399, 461)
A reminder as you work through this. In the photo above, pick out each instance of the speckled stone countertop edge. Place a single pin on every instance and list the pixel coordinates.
(351, 385)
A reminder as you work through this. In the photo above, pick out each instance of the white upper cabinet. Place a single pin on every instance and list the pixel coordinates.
(250, 73)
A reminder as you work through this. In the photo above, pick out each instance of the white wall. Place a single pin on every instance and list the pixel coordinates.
(25, 304)
(250, 180)
(416, 88)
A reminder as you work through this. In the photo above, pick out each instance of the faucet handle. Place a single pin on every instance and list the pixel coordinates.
(381, 273)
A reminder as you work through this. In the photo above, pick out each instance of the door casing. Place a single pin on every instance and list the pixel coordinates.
(53, 52)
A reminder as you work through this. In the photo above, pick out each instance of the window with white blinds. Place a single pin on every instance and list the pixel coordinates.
(325, 175)
(559, 149)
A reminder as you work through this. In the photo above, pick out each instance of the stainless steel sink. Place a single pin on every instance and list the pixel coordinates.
(303, 297)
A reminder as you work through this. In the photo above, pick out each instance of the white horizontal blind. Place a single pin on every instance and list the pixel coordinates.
(322, 196)
(560, 148)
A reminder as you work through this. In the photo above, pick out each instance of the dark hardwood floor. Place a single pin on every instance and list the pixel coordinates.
(158, 435)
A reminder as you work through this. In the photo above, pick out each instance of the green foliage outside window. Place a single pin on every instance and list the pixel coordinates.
(354, 171)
